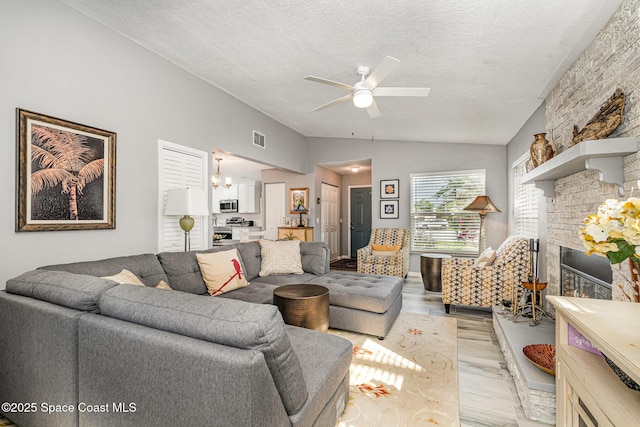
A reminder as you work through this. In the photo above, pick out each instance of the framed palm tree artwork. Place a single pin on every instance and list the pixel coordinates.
(66, 175)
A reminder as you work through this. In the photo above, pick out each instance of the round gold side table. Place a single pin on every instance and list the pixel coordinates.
(303, 305)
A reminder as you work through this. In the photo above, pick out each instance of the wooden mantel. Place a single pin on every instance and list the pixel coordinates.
(604, 155)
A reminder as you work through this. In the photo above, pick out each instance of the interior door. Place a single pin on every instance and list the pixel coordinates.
(274, 209)
(360, 217)
(330, 230)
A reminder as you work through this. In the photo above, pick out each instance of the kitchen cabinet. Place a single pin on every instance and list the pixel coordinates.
(588, 392)
(304, 234)
(222, 193)
(236, 231)
(249, 197)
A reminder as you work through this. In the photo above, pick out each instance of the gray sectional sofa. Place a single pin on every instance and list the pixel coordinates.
(138, 356)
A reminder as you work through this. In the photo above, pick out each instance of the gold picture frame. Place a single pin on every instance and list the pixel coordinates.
(298, 196)
(66, 175)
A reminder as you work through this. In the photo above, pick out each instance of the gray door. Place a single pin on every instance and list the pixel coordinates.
(360, 208)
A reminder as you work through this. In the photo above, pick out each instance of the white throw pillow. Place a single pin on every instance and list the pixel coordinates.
(280, 257)
(486, 258)
(221, 271)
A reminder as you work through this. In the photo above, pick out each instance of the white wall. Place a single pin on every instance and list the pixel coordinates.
(58, 62)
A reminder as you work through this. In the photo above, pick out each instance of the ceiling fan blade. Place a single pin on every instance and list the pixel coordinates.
(334, 102)
(329, 82)
(373, 110)
(387, 65)
(401, 91)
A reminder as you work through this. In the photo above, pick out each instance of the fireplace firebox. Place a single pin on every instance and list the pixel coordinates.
(584, 276)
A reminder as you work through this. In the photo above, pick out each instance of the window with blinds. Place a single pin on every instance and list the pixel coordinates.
(525, 202)
(439, 222)
(180, 167)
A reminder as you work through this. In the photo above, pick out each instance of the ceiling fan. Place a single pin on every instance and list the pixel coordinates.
(364, 91)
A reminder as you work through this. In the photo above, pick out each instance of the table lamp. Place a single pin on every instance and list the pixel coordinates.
(301, 210)
(186, 202)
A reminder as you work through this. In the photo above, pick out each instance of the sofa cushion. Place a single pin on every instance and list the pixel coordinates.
(280, 257)
(259, 293)
(315, 257)
(145, 266)
(285, 279)
(183, 271)
(221, 271)
(368, 292)
(220, 320)
(251, 259)
(325, 360)
(77, 291)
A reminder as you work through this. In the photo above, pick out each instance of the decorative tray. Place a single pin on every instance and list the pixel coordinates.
(543, 356)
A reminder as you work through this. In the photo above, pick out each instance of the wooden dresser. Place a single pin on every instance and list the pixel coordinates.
(304, 234)
(588, 393)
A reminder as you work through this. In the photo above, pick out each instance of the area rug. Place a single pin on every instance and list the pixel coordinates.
(408, 379)
(348, 264)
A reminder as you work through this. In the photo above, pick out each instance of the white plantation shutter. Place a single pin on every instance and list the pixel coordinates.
(181, 167)
(439, 222)
(525, 209)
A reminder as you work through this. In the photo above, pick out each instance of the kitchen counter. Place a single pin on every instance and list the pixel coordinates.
(225, 242)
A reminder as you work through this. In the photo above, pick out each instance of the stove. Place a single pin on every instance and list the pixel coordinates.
(238, 221)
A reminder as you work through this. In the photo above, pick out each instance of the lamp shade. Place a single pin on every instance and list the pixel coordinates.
(186, 201)
(301, 209)
(482, 205)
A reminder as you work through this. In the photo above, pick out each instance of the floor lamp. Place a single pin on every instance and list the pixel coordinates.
(482, 205)
(186, 202)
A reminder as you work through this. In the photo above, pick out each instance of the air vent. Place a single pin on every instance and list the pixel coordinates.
(258, 139)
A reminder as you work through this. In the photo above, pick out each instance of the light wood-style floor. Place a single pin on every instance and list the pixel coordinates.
(487, 392)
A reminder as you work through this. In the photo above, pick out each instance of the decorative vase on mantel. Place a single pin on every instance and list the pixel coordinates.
(541, 149)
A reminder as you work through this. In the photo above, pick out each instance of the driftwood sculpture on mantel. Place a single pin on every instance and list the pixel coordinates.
(605, 122)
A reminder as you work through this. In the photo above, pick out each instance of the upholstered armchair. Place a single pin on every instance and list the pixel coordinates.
(387, 253)
(486, 282)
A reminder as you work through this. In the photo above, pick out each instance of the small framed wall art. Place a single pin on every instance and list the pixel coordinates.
(66, 175)
(388, 209)
(389, 188)
(298, 197)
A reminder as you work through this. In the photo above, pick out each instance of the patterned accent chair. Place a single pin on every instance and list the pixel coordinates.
(394, 265)
(464, 284)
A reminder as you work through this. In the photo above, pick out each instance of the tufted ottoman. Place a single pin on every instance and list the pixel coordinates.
(365, 303)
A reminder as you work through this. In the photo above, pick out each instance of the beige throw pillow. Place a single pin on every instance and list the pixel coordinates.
(164, 285)
(221, 271)
(280, 257)
(125, 277)
(486, 258)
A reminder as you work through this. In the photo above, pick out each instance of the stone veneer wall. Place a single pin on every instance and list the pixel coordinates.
(611, 61)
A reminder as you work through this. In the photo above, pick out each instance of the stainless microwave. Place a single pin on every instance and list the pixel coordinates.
(230, 205)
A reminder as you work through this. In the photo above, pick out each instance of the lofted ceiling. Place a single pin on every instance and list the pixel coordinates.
(489, 63)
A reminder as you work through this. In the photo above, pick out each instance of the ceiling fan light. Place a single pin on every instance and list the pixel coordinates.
(362, 98)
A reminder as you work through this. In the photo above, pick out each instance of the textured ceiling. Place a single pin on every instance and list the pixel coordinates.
(489, 63)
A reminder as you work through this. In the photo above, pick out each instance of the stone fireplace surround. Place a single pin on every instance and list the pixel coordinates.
(611, 61)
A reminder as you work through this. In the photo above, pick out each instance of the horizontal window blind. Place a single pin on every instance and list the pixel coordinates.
(439, 222)
(525, 209)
